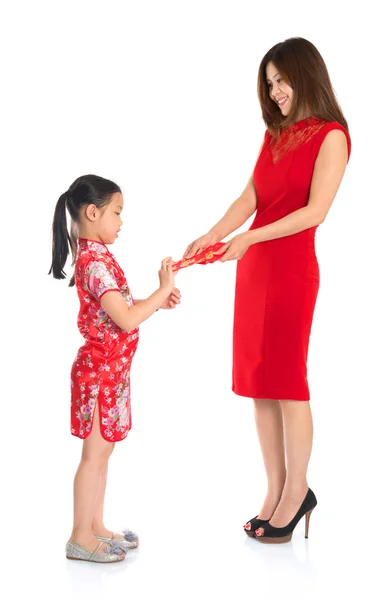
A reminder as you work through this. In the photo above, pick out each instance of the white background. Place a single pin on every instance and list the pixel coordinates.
(161, 98)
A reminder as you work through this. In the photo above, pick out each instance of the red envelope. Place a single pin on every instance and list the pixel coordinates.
(204, 258)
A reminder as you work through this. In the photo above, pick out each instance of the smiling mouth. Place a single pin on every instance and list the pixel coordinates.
(282, 102)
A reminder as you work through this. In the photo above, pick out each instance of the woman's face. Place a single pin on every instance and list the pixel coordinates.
(280, 92)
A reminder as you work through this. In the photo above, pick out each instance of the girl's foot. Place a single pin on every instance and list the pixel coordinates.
(88, 542)
(102, 553)
(129, 538)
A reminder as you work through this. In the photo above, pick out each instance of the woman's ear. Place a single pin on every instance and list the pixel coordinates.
(91, 212)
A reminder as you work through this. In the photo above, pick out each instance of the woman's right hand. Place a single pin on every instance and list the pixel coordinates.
(200, 244)
(166, 275)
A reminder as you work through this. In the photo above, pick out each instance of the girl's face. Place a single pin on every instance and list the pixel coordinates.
(105, 223)
(280, 92)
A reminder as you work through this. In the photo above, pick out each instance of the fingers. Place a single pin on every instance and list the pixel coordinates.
(194, 249)
(166, 262)
(188, 250)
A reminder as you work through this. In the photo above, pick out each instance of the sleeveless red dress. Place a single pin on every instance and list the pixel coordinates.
(278, 280)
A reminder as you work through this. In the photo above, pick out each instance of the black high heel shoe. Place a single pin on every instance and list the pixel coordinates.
(251, 526)
(268, 534)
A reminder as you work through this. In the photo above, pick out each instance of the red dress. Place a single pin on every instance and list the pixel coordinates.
(101, 370)
(278, 280)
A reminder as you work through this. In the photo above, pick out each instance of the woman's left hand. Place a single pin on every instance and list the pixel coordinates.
(236, 248)
(173, 300)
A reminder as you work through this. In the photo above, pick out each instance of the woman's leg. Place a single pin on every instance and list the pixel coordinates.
(298, 428)
(95, 455)
(268, 420)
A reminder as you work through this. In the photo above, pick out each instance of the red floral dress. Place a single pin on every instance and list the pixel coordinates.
(101, 370)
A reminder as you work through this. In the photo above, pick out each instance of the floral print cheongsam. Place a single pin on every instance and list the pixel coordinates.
(101, 370)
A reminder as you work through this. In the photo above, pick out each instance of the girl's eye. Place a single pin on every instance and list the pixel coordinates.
(118, 213)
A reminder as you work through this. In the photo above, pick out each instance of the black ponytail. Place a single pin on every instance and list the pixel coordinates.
(60, 239)
(88, 189)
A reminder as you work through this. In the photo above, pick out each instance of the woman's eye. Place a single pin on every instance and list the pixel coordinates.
(279, 80)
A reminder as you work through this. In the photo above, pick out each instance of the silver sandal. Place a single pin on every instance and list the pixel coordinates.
(129, 542)
(111, 553)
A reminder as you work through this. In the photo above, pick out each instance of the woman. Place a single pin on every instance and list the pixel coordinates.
(300, 166)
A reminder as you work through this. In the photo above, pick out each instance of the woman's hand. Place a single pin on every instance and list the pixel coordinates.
(236, 248)
(200, 244)
(173, 300)
(166, 276)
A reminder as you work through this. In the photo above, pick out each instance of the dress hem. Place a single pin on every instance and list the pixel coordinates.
(261, 396)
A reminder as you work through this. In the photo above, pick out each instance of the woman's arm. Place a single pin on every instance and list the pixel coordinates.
(328, 173)
(238, 213)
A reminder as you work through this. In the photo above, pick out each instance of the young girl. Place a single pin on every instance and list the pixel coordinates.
(100, 377)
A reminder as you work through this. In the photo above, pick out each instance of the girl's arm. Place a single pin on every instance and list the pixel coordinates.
(130, 317)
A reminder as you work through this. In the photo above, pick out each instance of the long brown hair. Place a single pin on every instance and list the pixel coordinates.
(303, 68)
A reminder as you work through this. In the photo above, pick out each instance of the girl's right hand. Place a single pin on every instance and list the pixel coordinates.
(166, 275)
(200, 244)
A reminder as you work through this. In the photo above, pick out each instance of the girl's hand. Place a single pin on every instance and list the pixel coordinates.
(236, 248)
(200, 244)
(173, 300)
(166, 275)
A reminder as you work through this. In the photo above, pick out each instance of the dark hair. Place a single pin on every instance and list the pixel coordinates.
(303, 68)
(88, 189)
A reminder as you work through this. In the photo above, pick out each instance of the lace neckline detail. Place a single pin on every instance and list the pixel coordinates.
(294, 136)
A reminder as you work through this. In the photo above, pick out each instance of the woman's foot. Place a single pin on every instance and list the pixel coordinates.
(270, 504)
(271, 534)
(288, 505)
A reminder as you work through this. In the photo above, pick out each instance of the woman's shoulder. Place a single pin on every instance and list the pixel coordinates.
(328, 126)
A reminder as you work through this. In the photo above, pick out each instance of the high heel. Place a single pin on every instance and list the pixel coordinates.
(307, 519)
(269, 534)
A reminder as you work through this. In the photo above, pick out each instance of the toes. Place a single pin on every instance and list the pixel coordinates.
(260, 532)
(247, 527)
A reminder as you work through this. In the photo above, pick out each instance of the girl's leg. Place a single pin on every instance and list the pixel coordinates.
(98, 524)
(298, 426)
(95, 455)
(268, 420)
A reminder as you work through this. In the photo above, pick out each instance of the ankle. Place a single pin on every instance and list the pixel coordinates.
(295, 489)
(79, 535)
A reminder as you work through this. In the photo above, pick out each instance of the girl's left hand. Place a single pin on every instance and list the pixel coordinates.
(236, 248)
(173, 300)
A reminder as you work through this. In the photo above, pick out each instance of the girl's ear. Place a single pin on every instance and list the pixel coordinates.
(91, 212)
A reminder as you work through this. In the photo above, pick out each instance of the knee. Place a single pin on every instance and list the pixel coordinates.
(98, 457)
